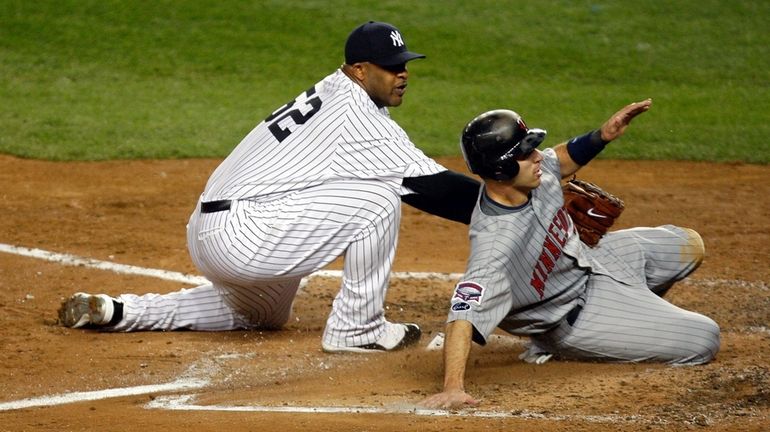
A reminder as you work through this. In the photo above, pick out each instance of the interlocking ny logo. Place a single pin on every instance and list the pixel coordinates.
(396, 36)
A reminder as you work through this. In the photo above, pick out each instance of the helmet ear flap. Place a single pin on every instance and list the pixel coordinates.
(507, 169)
(497, 168)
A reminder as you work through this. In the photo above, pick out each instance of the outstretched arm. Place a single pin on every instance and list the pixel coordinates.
(457, 346)
(578, 151)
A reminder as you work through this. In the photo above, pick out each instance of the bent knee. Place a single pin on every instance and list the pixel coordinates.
(703, 344)
(693, 249)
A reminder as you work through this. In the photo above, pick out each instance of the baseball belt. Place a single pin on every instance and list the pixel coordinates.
(215, 206)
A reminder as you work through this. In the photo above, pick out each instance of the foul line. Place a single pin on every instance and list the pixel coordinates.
(74, 260)
(45, 401)
(184, 403)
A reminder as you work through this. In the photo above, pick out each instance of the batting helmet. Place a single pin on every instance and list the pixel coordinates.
(492, 142)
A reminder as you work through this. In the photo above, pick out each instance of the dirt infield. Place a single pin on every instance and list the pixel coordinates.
(135, 213)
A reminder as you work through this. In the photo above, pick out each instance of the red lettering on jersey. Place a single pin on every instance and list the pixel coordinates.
(559, 228)
(538, 285)
(546, 260)
(555, 239)
(552, 247)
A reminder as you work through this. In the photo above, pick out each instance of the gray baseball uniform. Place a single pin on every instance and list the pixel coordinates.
(319, 178)
(529, 274)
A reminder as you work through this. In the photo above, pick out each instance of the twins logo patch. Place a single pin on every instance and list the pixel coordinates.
(468, 292)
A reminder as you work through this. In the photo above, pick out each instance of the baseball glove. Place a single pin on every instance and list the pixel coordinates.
(592, 209)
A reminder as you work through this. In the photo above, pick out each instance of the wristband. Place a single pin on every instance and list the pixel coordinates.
(585, 147)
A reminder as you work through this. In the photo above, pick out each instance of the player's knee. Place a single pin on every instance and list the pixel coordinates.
(268, 322)
(712, 341)
(274, 323)
(704, 345)
(694, 248)
(277, 318)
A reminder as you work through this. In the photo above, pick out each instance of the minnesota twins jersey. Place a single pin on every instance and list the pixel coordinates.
(521, 271)
(529, 274)
(528, 263)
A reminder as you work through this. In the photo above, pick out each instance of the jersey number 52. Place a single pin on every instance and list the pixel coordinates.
(282, 132)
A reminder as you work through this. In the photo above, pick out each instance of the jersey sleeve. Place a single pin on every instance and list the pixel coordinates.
(551, 162)
(372, 145)
(483, 296)
(482, 305)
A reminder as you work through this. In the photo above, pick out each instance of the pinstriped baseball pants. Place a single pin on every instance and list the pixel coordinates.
(631, 323)
(256, 254)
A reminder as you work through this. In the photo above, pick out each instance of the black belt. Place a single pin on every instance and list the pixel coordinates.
(215, 206)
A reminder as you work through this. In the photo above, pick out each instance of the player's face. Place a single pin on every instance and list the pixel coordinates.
(386, 85)
(530, 171)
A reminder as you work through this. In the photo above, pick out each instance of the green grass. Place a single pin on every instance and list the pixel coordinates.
(105, 79)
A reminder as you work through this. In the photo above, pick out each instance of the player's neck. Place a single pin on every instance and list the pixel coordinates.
(506, 194)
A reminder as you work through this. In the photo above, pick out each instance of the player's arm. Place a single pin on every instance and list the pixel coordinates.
(447, 194)
(457, 347)
(578, 151)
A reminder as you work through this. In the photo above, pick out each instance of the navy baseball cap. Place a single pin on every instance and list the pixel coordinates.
(379, 43)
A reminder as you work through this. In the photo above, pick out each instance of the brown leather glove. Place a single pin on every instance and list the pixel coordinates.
(592, 209)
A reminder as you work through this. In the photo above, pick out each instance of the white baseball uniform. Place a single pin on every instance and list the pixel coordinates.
(320, 177)
(529, 274)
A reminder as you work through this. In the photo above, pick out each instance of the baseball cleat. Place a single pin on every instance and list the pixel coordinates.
(82, 309)
(395, 337)
(535, 355)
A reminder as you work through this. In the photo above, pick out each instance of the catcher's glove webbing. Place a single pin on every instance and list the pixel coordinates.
(592, 209)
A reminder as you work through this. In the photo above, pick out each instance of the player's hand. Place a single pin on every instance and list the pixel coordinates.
(616, 125)
(453, 399)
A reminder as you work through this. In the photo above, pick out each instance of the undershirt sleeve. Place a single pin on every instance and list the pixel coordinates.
(448, 194)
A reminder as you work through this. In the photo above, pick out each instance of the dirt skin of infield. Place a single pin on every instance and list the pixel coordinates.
(134, 212)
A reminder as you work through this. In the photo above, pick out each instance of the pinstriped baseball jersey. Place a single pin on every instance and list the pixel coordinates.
(528, 271)
(333, 131)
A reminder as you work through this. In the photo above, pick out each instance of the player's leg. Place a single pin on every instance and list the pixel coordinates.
(664, 255)
(209, 307)
(632, 324)
(357, 319)
(202, 308)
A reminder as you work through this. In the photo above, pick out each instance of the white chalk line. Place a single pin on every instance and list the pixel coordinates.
(74, 260)
(197, 376)
(67, 398)
(185, 403)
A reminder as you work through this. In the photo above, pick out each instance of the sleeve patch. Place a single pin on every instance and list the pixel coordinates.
(467, 293)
